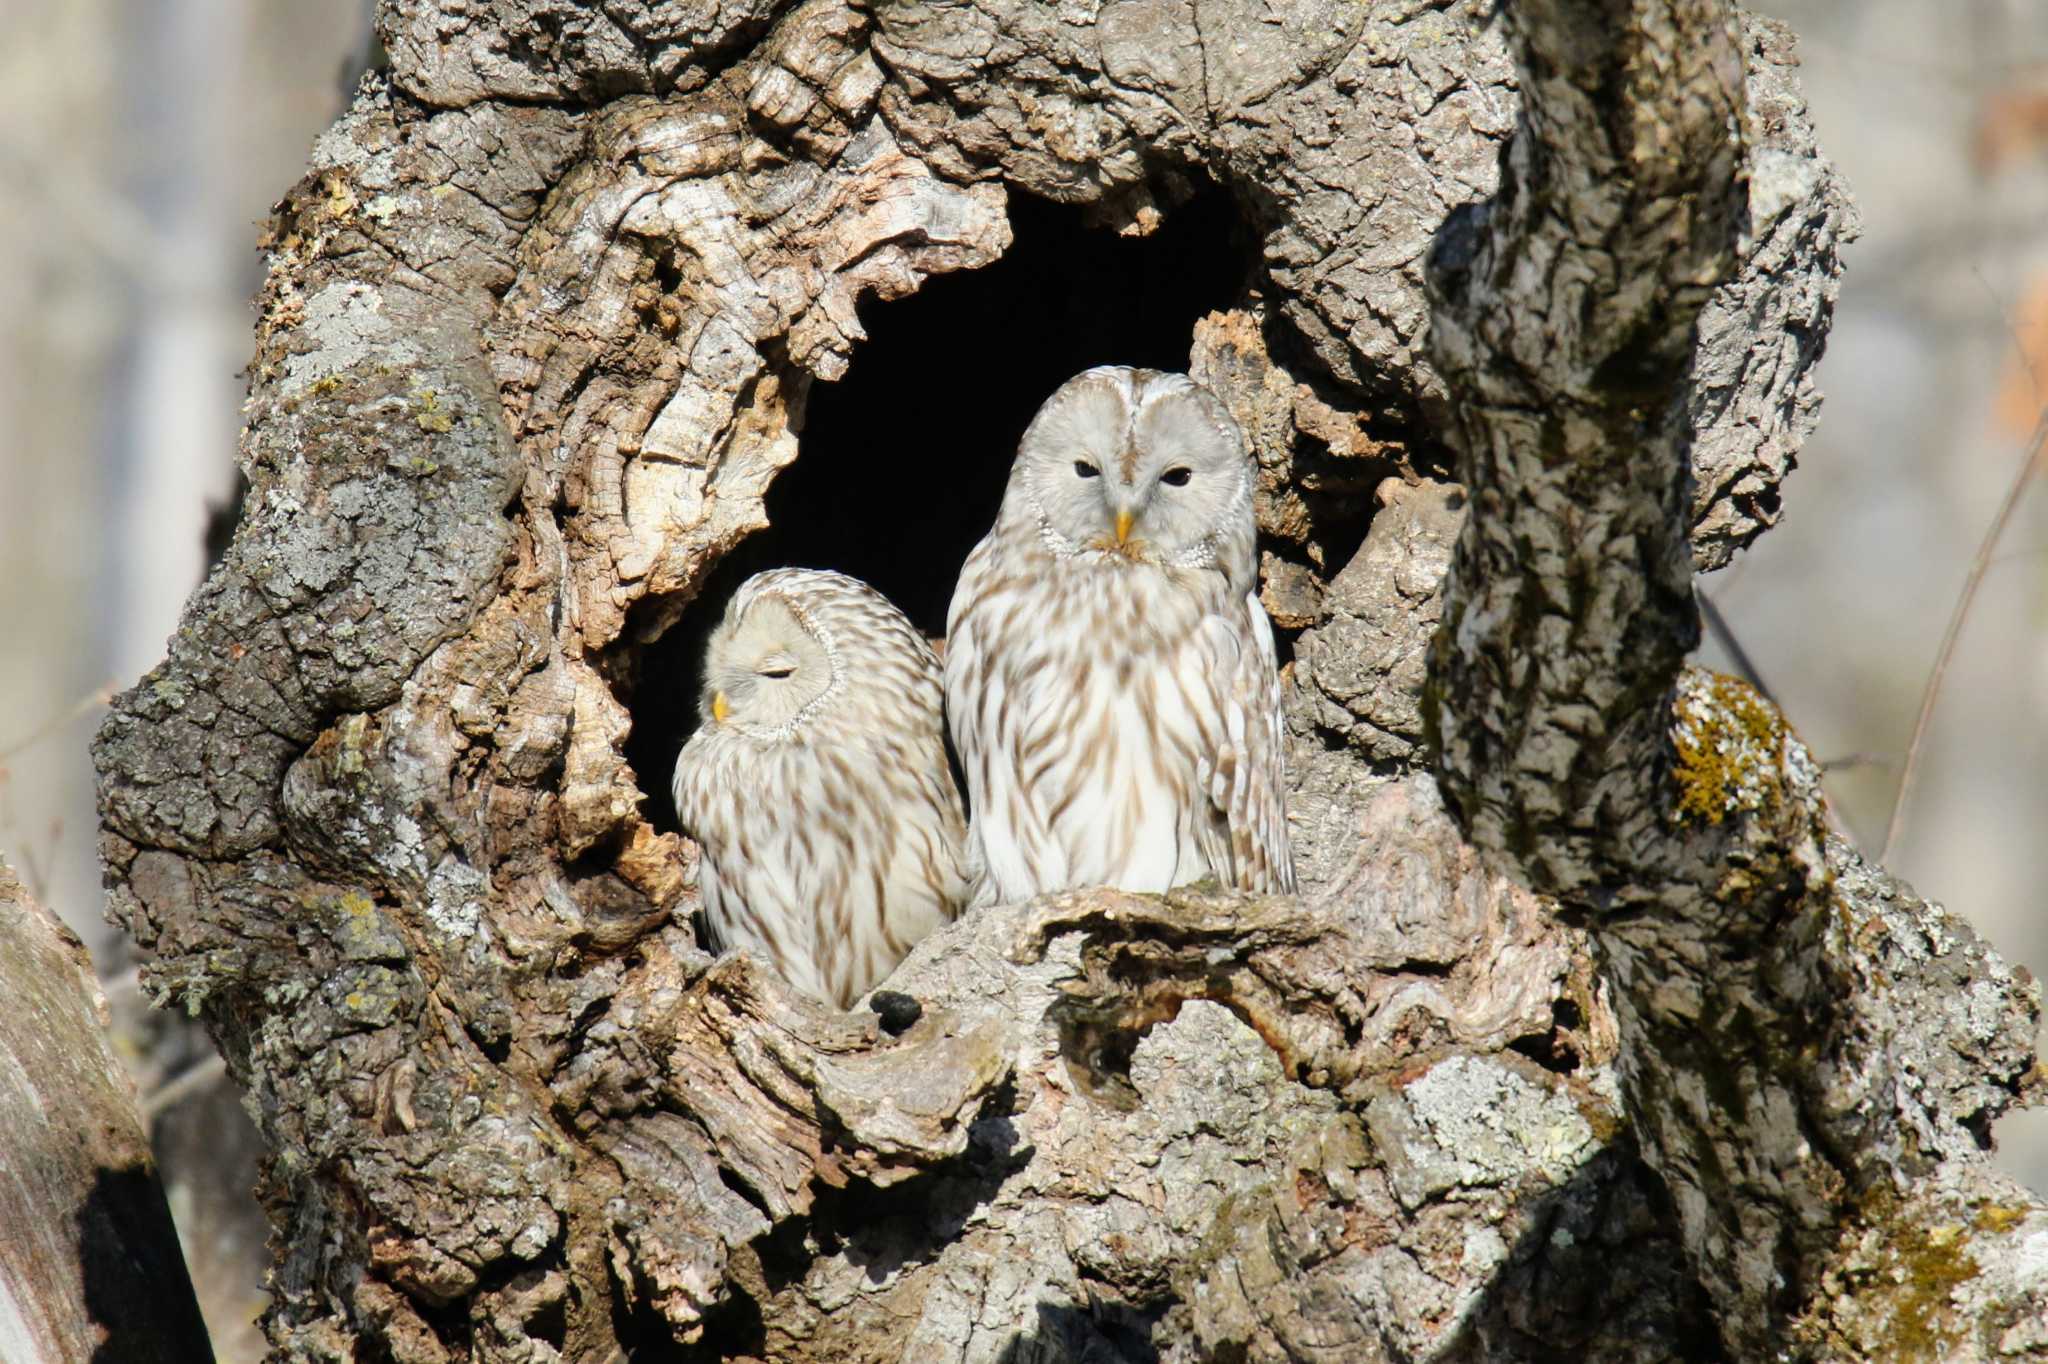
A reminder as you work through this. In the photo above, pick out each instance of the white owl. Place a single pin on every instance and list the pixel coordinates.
(818, 786)
(1111, 684)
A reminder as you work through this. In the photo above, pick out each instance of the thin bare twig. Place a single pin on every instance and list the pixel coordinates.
(1978, 566)
(182, 1086)
(2035, 444)
(1850, 761)
(35, 869)
(83, 706)
(2012, 332)
(1724, 635)
(1717, 625)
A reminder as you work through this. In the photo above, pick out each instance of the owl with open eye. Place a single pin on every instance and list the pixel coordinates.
(1111, 682)
(818, 786)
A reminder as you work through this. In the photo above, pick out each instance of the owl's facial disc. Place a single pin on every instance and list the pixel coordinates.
(764, 669)
(1141, 466)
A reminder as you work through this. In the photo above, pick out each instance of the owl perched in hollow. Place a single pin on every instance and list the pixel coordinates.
(1111, 682)
(818, 786)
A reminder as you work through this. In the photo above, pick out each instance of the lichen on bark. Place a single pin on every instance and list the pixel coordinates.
(541, 327)
(1675, 815)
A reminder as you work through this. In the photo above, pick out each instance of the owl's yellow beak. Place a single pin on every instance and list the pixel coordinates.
(1124, 520)
(720, 707)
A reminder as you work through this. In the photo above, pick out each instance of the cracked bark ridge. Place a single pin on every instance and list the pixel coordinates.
(537, 334)
(1769, 318)
(1801, 1058)
(456, 55)
(90, 1267)
(1258, 1130)
(1361, 671)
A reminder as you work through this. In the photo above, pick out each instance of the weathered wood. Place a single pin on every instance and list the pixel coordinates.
(1811, 1055)
(89, 1263)
(541, 326)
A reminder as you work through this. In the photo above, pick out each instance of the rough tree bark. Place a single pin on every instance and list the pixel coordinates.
(1810, 1055)
(89, 1262)
(540, 328)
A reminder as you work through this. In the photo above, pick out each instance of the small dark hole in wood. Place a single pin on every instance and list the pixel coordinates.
(1557, 1050)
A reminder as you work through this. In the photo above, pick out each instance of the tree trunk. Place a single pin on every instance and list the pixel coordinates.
(1581, 1036)
(89, 1263)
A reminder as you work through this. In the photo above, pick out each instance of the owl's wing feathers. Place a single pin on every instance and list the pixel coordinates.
(920, 856)
(876, 862)
(1010, 848)
(740, 888)
(1244, 772)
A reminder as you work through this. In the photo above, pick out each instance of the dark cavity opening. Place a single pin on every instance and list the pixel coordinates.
(904, 459)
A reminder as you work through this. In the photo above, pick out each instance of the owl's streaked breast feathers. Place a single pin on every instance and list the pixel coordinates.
(1111, 680)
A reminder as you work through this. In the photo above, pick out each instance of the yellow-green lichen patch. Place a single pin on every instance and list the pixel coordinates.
(362, 931)
(1898, 1284)
(1999, 1218)
(1930, 1263)
(350, 759)
(370, 996)
(1729, 742)
(430, 415)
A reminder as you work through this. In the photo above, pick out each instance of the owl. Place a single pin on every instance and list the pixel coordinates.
(818, 785)
(1111, 683)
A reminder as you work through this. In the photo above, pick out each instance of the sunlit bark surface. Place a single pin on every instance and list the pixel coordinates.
(1580, 1040)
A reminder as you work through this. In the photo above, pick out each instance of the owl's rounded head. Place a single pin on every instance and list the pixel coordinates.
(1140, 466)
(767, 666)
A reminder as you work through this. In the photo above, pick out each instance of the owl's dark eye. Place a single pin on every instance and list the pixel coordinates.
(1176, 477)
(779, 670)
(1086, 470)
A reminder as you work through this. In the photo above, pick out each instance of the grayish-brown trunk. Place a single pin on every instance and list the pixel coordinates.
(89, 1261)
(1580, 1039)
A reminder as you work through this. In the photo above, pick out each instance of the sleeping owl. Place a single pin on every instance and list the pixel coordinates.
(818, 785)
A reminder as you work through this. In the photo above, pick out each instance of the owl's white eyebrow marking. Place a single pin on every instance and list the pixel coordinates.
(1134, 408)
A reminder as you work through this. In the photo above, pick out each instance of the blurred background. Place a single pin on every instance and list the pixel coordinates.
(141, 141)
